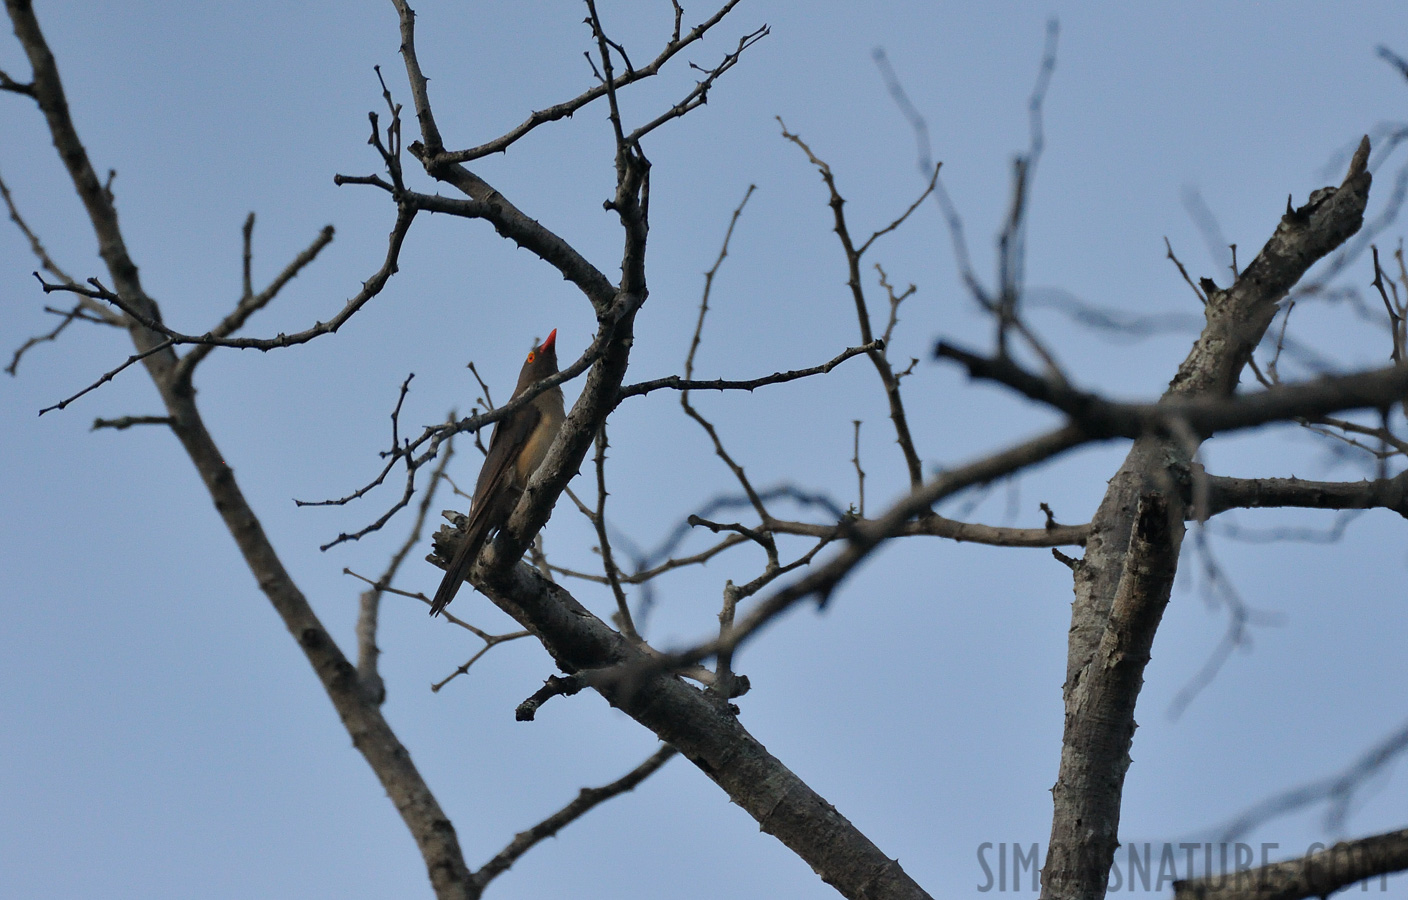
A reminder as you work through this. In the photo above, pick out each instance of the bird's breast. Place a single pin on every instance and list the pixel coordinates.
(535, 449)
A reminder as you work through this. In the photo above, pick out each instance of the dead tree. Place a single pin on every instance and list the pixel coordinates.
(686, 696)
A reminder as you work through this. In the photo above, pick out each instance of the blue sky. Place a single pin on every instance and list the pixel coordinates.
(162, 734)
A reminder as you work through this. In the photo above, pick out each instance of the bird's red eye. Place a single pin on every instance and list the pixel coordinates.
(531, 354)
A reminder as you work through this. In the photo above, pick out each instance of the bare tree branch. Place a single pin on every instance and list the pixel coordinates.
(586, 800)
(1124, 580)
(1338, 790)
(110, 374)
(433, 832)
(864, 538)
(938, 526)
(608, 563)
(705, 731)
(251, 302)
(134, 309)
(85, 309)
(482, 200)
(644, 575)
(1002, 304)
(677, 383)
(853, 256)
(369, 608)
(1251, 493)
(127, 422)
(566, 109)
(1204, 414)
(1202, 297)
(699, 95)
(66, 319)
(9, 84)
(1316, 875)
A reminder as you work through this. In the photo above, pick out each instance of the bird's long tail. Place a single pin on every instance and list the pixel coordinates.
(474, 537)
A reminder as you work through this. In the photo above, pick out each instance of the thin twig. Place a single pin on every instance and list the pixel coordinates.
(861, 540)
(1202, 297)
(699, 94)
(709, 282)
(585, 801)
(1395, 321)
(371, 287)
(108, 376)
(490, 642)
(853, 255)
(369, 607)
(675, 382)
(250, 302)
(860, 473)
(566, 109)
(644, 575)
(608, 564)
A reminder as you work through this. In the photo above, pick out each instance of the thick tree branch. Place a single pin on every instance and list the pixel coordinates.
(1316, 875)
(939, 526)
(1203, 413)
(1226, 493)
(1239, 316)
(699, 725)
(371, 735)
(1123, 582)
(483, 201)
(703, 729)
(1111, 681)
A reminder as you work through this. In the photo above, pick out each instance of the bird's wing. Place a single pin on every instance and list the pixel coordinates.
(490, 492)
(510, 436)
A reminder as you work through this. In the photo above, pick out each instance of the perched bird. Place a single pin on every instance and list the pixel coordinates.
(520, 442)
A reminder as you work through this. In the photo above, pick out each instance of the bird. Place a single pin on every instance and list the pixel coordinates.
(520, 442)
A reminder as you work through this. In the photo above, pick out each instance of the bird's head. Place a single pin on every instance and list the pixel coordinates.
(541, 362)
